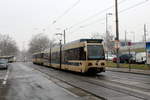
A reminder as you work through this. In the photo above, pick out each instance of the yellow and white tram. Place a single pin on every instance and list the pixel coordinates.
(37, 58)
(84, 55)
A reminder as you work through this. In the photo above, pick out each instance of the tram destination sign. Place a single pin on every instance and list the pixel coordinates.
(92, 40)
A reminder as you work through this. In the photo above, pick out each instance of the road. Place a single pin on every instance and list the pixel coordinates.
(25, 81)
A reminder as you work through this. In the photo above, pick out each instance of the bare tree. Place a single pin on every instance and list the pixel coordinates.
(52, 43)
(39, 43)
(8, 46)
(108, 41)
(97, 36)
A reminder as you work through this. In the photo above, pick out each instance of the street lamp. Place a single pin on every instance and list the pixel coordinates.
(51, 45)
(64, 34)
(107, 14)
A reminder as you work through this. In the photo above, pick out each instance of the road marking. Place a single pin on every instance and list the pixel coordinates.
(6, 77)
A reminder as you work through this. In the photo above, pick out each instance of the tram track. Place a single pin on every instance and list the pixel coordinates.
(123, 88)
(101, 83)
(54, 79)
(117, 86)
(123, 84)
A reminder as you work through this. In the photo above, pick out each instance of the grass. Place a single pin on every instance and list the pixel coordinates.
(133, 66)
(135, 50)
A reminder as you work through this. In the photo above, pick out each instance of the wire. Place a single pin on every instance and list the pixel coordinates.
(96, 14)
(67, 11)
(138, 4)
(126, 9)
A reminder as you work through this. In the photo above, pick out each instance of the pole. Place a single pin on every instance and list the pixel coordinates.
(60, 53)
(107, 35)
(50, 60)
(126, 38)
(145, 40)
(117, 30)
(64, 37)
(129, 60)
(106, 27)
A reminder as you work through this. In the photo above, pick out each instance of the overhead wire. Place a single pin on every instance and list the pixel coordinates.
(96, 14)
(126, 9)
(66, 11)
(133, 6)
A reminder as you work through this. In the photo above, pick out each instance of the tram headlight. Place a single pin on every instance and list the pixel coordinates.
(96, 64)
(102, 64)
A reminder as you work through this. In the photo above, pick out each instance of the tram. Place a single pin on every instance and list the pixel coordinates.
(9, 58)
(84, 55)
(37, 58)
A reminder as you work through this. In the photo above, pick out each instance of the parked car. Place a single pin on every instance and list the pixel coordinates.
(141, 58)
(125, 58)
(3, 63)
(109, 57)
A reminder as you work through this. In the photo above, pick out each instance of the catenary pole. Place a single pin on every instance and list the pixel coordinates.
(145, 30)
(64, 36)
(117, 30)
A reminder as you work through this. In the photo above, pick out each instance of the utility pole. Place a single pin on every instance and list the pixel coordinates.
(145, 30)
(50, 56)
(117, 30)
(60, 53)
(107, 35)
(106, 26)
(0, 52)
(64, 36)
(125, 38)
(107, 32)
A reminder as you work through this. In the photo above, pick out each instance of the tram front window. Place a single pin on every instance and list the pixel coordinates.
(95, 52)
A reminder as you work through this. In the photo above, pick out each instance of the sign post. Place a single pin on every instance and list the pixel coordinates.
(117, 46)
(129, 46)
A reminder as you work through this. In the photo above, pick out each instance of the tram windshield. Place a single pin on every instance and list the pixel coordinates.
(95, 52)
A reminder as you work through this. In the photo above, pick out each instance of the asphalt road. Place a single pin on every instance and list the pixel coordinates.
(25, 81)
(22, 82)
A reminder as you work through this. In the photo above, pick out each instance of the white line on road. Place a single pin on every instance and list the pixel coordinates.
(6, 77)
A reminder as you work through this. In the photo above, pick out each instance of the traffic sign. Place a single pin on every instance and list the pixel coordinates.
(117, 44)
(129, 43)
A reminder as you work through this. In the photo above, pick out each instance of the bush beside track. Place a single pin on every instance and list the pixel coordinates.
(125, 65)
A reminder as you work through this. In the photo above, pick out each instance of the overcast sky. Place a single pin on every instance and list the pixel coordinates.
(22, 19)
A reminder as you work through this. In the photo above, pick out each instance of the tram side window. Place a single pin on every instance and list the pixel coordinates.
(82, 54)
(75, 54)
(40, 55)
(71, 54)
(37, 56)
(45, 55)
(55, 57)
(33, 56)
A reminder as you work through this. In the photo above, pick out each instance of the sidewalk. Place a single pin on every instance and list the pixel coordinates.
(126, 70)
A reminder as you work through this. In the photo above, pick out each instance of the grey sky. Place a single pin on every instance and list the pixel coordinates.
(21, 19)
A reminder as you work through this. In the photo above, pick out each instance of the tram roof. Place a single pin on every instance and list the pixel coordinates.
(6, 56)
(87, 40)
(78, 41)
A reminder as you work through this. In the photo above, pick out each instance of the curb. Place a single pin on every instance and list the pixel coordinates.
(127, 72)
